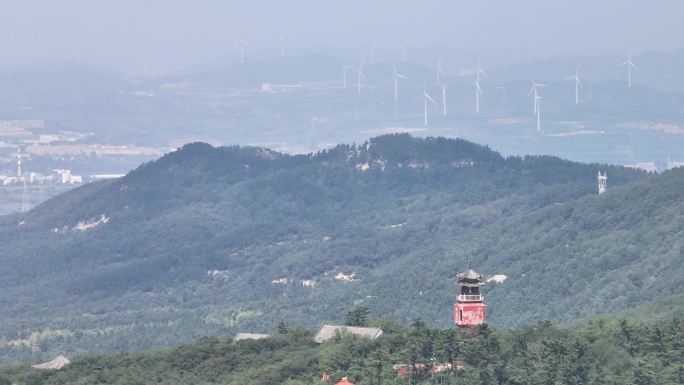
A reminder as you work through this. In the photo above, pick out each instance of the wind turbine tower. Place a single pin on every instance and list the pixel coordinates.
(602, 179)
(444, 100)
(426, 98)
(344, 75)
(578, 83)
(478, 91)
(535, 90)
(538, 103)
(243, 44)
(440, 72)
(479, 70)
(404, 47)
(359, 76)
(396, 76)
(629, 65)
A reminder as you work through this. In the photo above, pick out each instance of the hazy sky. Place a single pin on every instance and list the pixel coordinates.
(163, 34)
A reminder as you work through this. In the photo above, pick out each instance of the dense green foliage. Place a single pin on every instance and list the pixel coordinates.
(211, 241)
(357, 316)
(600, 353)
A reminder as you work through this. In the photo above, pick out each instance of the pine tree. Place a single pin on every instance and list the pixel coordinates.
(357, 316)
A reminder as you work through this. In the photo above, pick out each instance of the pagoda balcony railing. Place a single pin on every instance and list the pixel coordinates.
(470, 298)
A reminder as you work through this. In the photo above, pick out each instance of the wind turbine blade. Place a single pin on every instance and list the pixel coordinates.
(531, 91)
(623, 63)
(478, 88)
(633, 66)
(402, 77)
(578, 69)
(430, 99)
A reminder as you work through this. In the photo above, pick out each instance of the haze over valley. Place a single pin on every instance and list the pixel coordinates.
(303, 95)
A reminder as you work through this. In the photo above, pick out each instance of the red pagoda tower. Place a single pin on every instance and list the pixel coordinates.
(470, 309)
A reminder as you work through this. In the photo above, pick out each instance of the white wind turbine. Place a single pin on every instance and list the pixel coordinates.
(535, 90)
(629, 65)
(578, 83)
(478, 90)
(440, 71)
(396, 76)
(426, 98)
(243, 44)
(344, 75)
(479, 71)
(444, 100)
(404, 47)
(538, 103)
(359, 76)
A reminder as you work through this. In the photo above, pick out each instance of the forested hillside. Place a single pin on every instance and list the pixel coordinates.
(600, 353)
(210, 241)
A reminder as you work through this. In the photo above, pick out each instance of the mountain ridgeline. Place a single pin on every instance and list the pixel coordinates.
(209, 241)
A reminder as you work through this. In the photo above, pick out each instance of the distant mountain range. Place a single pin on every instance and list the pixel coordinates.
(209, 241)
(659, 70)
(309, 110)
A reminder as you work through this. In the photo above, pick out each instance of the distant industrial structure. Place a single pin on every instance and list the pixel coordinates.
(602, 179)
(59, 176)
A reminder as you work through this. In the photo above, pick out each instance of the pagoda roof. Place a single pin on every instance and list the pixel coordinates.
(471, 277)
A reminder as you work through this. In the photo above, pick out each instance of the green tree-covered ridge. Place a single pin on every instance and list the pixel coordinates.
(599, 353)
(210, 241)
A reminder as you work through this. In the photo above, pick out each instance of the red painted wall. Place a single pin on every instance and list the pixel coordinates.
(466, 314)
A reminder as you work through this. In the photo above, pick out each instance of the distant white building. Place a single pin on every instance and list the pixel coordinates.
(36, 178)
(9, 180)
(58, 363)
(97, 177)
(65, 177)
(671, 165)
(250, 336)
